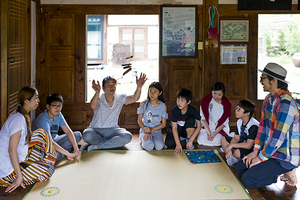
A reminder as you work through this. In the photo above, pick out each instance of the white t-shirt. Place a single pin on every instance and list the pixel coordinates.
(105, 116)
(14, 123)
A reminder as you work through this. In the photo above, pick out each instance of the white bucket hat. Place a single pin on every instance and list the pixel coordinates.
(276, 71)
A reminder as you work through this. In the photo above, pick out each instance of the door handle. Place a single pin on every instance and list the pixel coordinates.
(11, 59)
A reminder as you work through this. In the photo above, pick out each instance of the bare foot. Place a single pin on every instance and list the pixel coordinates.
(290, 178)
(283, 178)
(81, 142)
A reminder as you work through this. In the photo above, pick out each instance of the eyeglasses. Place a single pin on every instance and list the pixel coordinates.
(238, 109)
(263, 77)
(56, 106)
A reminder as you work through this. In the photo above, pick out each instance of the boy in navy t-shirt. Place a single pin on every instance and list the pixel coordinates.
(185, 122)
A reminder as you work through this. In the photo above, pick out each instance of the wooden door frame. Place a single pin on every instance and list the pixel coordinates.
(4, 21)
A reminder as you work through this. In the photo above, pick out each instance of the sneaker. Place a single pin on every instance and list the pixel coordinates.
(187, 139)
(231, 160)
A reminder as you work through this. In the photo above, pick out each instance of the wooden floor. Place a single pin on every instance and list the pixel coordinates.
(275, 191)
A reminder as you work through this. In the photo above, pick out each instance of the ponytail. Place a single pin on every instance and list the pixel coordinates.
(21, 110)
(26, 93)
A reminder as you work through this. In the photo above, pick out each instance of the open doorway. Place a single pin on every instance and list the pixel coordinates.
(113, 38)
(278, 41)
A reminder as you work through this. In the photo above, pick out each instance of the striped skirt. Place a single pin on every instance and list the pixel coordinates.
(39, 163)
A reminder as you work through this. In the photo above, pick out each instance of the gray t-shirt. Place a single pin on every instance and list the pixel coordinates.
(152, 116)
(105, 116)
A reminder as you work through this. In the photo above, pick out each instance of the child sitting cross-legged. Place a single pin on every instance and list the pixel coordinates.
(246, 130)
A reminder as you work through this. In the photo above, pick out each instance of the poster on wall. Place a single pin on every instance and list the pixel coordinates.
(233, 54)
(178, 32)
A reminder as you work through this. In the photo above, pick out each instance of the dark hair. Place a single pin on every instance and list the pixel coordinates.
(158, 86)
(219, 86)
(185, 93)
(26, 93)
(280, 84)
(247, 105)
(53, 98)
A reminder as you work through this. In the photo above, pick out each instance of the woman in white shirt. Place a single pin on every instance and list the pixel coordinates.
(26, 157)
(215, 111)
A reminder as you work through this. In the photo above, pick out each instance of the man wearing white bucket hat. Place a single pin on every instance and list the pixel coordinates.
(276, 149)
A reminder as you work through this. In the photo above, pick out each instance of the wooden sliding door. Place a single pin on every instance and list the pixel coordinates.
(15, 52)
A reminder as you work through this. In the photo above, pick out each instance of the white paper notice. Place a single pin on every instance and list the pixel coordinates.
(233, 54)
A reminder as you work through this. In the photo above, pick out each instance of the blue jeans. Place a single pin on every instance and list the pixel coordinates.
(262, 174)
(65, 143)
(107, 138)
(157, 141)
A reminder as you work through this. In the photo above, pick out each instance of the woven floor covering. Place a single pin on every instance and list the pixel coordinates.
(117, 175)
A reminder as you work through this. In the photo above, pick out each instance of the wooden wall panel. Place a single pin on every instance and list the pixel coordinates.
(75, 120)
(61, 32)
(180, 79)
(61, 58)
(236, 81)
(211, 70)
(41, 71)
(80, 60)
(211, 53)
(130, 117)
(89, 117)
(60, 62)
(252, 60)
(62, 82)
(82, 116)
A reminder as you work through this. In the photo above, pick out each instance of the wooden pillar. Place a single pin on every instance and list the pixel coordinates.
(4, 21)
(210, 48)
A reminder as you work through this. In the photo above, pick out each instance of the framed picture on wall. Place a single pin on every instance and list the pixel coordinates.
(234, 30)
(178, 31)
